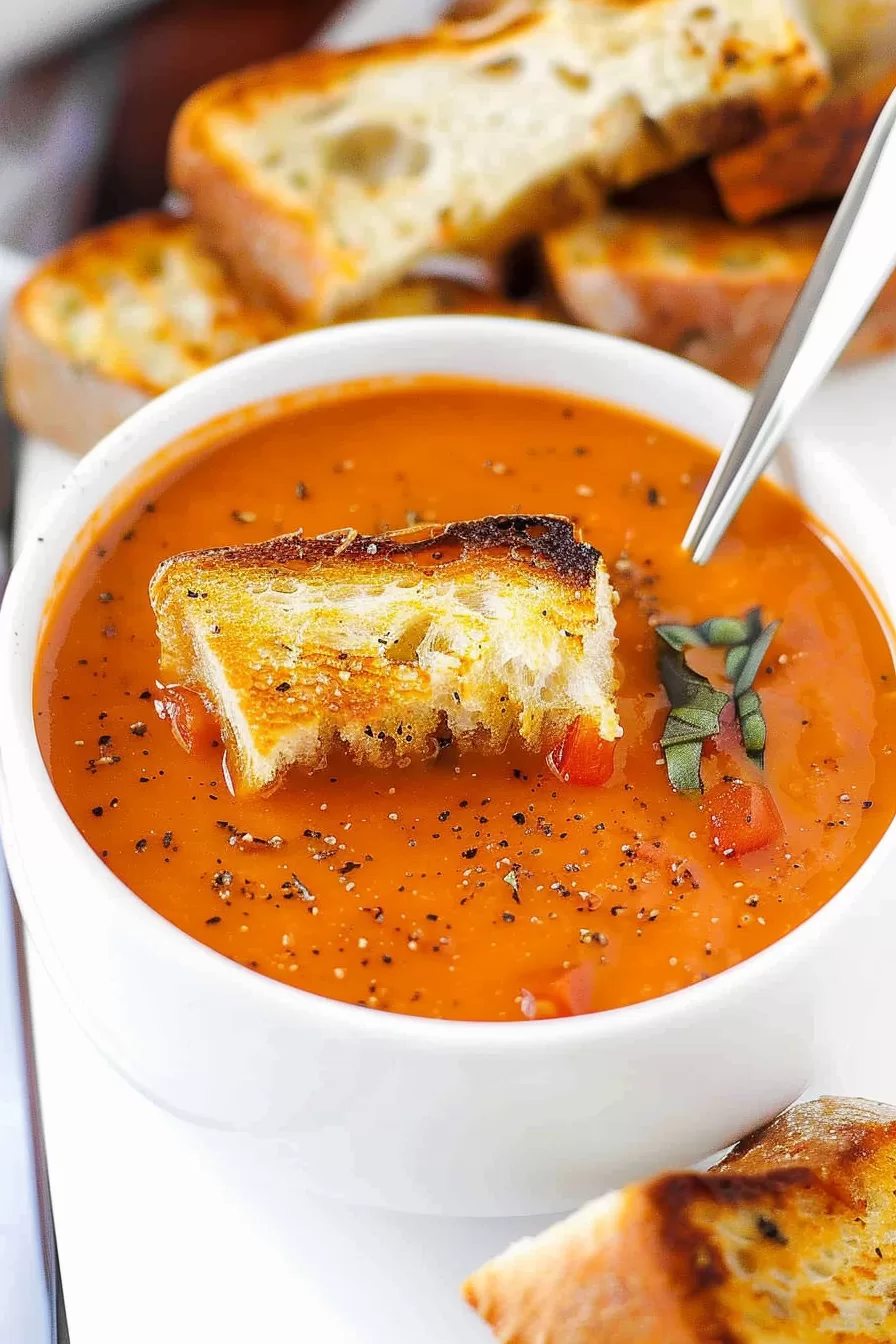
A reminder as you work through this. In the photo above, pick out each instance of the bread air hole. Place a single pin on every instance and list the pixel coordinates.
(502, 67)
(321, 110)
(405, 648)
(376, 154)
(579, 81)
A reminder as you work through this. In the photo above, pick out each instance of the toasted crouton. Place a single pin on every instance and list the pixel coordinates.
(706, 289)
(390, 645)
(805, 161)
(325, 176)
(131, 309)
(792, 1240)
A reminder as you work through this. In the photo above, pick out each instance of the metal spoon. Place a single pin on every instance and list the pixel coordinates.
(855, 261)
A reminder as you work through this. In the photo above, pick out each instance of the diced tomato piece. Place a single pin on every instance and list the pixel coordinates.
(570, 995)
(583, 757)
(743, 818)
(192, 722)
(573, 992)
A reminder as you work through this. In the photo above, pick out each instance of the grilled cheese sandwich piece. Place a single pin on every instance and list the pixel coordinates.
(706, 289)
(792, 1240)
(131, 309)
(475, 632)
(323, 177)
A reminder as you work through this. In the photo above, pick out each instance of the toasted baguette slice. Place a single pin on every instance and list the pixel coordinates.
(475, 632)
(325, 176)
(791, 1241)
(706, 289)
(129, 310)
(804, 161)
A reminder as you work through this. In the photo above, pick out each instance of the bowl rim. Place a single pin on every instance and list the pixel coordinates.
(18, 735)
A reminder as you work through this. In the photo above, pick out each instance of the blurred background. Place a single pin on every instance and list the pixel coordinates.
(89, 88)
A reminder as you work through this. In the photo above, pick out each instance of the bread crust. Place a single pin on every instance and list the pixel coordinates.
(55, 399)
(806, 161)
(538, 541)
(788, 1241)
(704, 289)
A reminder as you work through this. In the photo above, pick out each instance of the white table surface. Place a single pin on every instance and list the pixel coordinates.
(160, 1233)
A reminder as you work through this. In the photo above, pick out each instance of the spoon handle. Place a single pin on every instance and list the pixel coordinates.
(855, 262)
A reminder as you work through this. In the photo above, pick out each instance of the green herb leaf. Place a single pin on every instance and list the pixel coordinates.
(683, 766)
(696, 705)
(719, 632)
(754, 659)
(694, 717)
(753, 727)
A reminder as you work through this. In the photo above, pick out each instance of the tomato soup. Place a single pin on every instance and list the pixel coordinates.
(478, 887)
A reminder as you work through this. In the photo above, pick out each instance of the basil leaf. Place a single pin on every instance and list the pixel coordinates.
(719, 632)
(694, 717)
(752, 663)
(683, 766)
(696, 705)
(678, 637)
(753, 728)
(734, 661)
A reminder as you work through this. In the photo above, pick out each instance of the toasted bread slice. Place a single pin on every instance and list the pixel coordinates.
(390, 645)
(791, 1241)
(706, 289)
(325, 176)
(129, 310)
(808, 160)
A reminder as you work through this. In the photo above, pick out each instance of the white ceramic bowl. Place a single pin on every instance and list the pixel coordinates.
(441, 1117)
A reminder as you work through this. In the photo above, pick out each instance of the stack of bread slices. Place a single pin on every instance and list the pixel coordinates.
(396, 180)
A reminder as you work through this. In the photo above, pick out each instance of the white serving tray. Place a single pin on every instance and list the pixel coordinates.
(160, 1236)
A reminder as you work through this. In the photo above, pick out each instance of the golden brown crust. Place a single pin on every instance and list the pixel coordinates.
(543, 542)
(703, 288)
(271, 256)
(789, 1241)
(832, 1136)
(809, 160)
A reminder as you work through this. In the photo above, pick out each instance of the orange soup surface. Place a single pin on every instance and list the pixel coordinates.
(476, 887)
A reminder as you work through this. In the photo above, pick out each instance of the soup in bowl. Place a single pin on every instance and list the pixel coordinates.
(486, 971)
